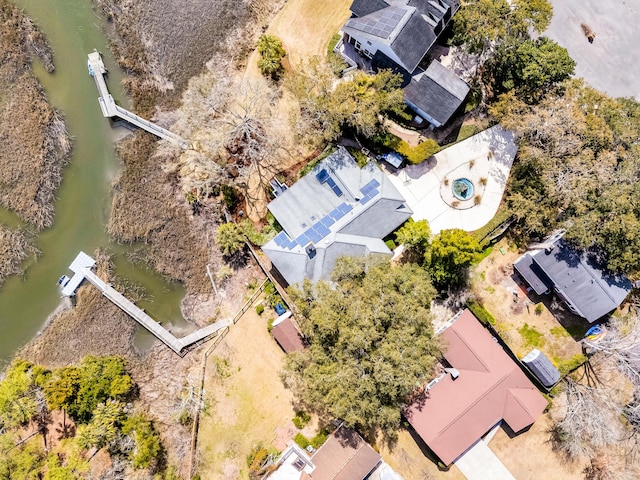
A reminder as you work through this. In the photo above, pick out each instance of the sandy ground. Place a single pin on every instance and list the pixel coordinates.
(248, 400)
(498, 289)
(612, 62)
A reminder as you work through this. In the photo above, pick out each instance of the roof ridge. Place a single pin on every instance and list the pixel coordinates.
(469, 347)
(478, 398)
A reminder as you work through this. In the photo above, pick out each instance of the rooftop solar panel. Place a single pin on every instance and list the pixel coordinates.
(328, 221)
(302, 240)
(322, 230)
(312, 235)
(375, 183)
(322, 176)
(281, 239)
(337, 214)
(337, 191)
(345, 208)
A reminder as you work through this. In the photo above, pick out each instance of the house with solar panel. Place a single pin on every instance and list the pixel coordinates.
(399, 34)
(337, 210)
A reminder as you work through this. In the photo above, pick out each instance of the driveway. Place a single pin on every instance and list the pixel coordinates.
(480, 463)
(485, 159)
(612, 62)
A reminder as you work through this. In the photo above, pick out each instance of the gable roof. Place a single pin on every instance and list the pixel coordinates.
(344, 456)
(454, 414)
(579, 280)
(438, 92)
(288, 336)
(336, 210)
(360, 8)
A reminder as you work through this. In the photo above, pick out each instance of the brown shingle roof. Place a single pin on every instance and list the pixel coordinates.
(490, 387)
(344, 456)
(288, 336)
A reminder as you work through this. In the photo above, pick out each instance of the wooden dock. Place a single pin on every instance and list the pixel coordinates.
(178, 345)
(111, 109)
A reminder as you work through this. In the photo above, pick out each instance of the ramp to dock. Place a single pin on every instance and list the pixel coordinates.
(81, 267)
(111, 109)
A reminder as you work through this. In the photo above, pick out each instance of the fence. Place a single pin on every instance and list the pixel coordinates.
(221, 334)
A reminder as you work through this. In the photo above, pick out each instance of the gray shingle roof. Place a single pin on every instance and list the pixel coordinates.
(414, 41)
(321, 225)
(438, 92)
(578, 279)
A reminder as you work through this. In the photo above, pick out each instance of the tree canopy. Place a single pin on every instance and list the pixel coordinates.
(356, 103)
(415, 236)
(529, 67)
(229, 238)
(371, 344)
(451, 254)
(479, 24)
(576, 169)
(271, 54)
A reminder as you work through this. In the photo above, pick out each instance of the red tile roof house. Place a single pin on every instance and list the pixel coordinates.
(483, 387)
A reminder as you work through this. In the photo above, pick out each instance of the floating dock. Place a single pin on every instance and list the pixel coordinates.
(110, 109)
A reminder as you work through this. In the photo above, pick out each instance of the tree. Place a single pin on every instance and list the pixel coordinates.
(416, 237)
(452, 252)
(355, 104)
(229, 238)
(22, 462)
(480, 24)
(271, 52)
(104, 426)
(371, 344)
(147, 441)
(530, 67)
(79, 390)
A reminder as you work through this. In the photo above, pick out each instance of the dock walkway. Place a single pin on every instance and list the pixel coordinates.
(111, 109)
(81, 267)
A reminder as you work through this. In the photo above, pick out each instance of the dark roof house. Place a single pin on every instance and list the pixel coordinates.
(344, 456)
(399, 34)
(585, 286)
(337, 210)
(483, 386)
(436, 94)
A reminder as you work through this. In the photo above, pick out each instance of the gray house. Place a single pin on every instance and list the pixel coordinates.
(336, 210)
(399, 34)
(587, 288)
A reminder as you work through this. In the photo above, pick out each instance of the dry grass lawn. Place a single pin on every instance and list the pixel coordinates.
(554, 330)
(306, 26)
(248, 400)
(529, 456)
(409, 461)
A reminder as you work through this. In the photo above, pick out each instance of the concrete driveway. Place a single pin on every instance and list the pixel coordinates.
(485, 159)
(480, 463)
(612, 62)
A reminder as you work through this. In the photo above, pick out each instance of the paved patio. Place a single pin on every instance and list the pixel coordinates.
(485, 159)
(612, 62)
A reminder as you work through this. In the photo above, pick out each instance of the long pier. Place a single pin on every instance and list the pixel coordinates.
(110, 109)
(81, 267)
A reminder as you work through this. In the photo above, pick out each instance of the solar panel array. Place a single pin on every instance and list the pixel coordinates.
(369, 191)
(323, 176)
(379, 25)
(317, 231)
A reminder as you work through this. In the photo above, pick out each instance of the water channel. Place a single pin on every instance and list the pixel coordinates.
(84, 198)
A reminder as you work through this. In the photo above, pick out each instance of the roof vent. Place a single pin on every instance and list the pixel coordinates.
(453, 372)
(311, 250)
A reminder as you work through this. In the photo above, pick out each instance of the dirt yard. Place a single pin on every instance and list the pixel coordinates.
(529, 456)
(525, 320)
(248, 400)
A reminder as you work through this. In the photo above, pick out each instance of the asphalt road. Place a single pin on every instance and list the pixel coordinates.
(612, 62)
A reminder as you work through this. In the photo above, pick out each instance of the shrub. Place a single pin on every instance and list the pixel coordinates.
(483, 181)
(229, 197)
(570, 365)
(415, 155)
(301, 441)
(391, 244)
(320, 438)
(539, 308)
(301, 419)
(477, 199)
(481, 313)
(260, 309)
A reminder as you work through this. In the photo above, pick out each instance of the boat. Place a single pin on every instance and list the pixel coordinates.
(63, 281)
(595, 333)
